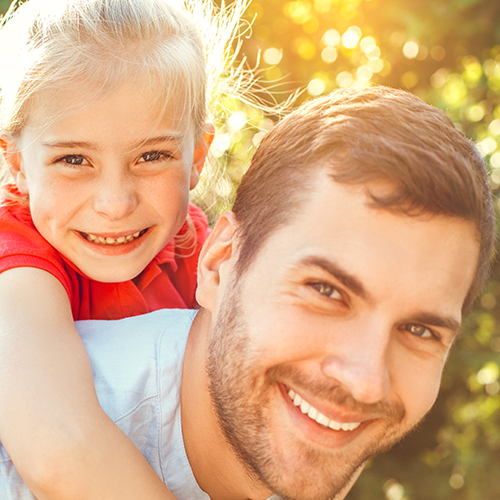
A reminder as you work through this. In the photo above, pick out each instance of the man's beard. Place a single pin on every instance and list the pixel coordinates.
(242, 395)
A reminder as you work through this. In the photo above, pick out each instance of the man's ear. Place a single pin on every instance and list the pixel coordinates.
(216, 257)
(200, 153)
(14, 161)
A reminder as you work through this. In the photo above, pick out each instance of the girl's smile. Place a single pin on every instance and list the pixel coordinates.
(108, 184)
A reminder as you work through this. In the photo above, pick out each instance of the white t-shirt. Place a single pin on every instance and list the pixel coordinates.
(137, 366)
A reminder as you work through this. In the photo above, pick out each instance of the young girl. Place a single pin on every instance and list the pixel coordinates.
(102, 123)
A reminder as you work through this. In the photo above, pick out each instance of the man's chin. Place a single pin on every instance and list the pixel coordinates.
(314, 485)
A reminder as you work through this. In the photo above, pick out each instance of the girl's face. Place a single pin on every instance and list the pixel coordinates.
(108, 184)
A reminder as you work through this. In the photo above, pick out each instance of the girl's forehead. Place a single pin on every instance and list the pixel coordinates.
(137, 99)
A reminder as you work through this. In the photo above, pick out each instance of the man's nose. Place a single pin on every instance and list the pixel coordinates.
(361, 362)
(115, 196)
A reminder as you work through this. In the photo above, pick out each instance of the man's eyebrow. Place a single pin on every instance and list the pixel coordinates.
(355, 285)
(152, 141)
(348, 280)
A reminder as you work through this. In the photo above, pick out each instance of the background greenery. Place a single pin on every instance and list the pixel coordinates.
(448, 53)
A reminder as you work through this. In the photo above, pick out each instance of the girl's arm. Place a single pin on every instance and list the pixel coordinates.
(62, 443)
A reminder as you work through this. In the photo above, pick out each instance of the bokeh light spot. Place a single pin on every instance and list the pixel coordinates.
(322, 6)
(367, 43)
(475, 113)
(409, 79)
(316, 87)
(410, 49)
(473, 72)
(487, 146)
(457, 481)
(364, 73)
(332, 37)
(373, 53)
(439, 78)
(393, 490)
(299, 11)
(351, 37)
(237, 121)
(344, 79)
(495, 163)
(273, 56)
(494, 127)
(304, 48)
(488, 374)
(376, 65)
(329, 54)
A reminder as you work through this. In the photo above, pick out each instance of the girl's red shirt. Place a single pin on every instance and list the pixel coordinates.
(169, 280)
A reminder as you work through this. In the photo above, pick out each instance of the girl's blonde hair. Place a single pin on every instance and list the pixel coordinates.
(178, 45)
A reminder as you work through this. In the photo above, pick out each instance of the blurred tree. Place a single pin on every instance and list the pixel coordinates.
(448, 53)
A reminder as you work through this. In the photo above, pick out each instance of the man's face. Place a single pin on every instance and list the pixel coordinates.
(331, 345)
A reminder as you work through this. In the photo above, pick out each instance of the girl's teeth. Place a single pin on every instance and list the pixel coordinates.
(112, 241)
(315, 415)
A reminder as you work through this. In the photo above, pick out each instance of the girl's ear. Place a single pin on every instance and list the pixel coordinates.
(216, 259)
(14, 161)
(200, 153)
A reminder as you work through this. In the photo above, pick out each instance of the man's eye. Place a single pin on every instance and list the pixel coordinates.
(73, 160)
(418, 330)
(326, 290)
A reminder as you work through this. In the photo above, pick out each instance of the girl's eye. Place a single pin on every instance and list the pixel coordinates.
(73, 160)
(326, 290)
(152, 156)
(418, 330)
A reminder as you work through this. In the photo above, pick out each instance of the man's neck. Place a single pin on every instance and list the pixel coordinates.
(216, 467)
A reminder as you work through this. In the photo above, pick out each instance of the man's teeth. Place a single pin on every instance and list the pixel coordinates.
(112, 241)
(314, 414)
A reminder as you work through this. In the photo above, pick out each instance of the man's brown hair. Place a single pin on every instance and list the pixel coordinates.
(360, 136)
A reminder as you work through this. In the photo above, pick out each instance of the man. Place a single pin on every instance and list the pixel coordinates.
(330, 298)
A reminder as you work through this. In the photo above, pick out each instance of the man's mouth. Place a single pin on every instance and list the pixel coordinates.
(318, 417)
(122, 240)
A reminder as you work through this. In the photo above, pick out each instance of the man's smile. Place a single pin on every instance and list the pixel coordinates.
(317, 416)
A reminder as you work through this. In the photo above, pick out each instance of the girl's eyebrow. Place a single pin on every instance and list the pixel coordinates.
(173, 137)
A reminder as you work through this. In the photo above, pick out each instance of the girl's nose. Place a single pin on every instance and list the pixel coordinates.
(115, 197)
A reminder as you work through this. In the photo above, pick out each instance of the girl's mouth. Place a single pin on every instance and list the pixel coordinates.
(122, 240)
